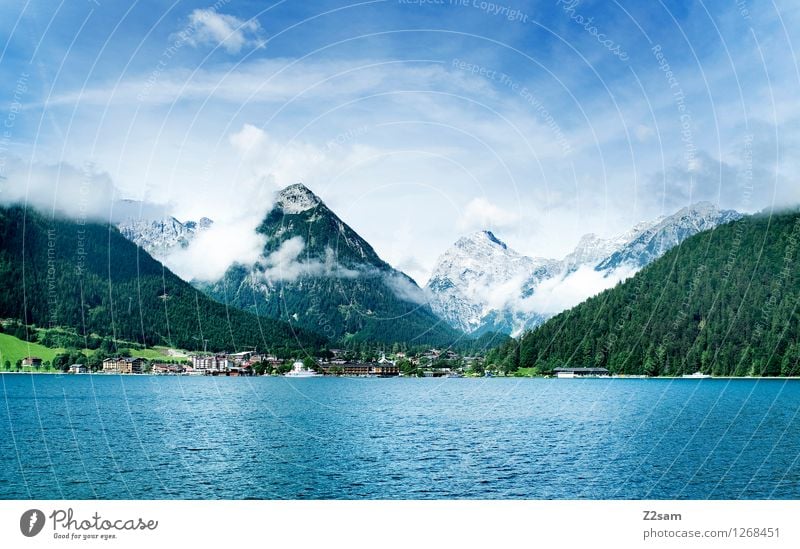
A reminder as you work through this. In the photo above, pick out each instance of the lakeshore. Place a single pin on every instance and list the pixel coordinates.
(465, 376)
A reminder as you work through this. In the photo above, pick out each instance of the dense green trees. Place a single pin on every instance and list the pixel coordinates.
(724, 302)
(88, 277)
(63, 361)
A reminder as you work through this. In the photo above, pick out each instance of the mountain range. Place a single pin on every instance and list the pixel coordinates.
(724, 302)
(315, 271)
(480, 284)
(160, 237)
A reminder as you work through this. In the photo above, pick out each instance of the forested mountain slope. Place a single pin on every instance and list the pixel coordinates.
(723, 302)
(88, 277)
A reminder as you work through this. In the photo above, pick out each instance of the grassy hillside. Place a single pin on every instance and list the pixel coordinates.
(724, 302)
(13, 349)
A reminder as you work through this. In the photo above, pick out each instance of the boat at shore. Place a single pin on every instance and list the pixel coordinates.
(697, 375)
(299, 370)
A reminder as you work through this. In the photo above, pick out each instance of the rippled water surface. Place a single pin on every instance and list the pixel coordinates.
(135, 437)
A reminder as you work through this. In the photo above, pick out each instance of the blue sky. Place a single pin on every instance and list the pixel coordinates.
(416, 121)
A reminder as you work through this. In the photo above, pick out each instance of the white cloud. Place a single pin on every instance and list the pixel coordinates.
(85, 193)
(263, 157)
(247, 139)
(500, 296)
(286, 265)
(280, 163)
(560, 293)
(71, 191)
(745, 181)
(237, 208)
(214, 250)
(207, 27)
(643, 133)
(481, 214)
(410, 266)
(494, 295)
(405, 289)
(138, 209)
(274, 81)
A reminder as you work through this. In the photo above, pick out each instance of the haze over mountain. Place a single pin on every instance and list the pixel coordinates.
(316, 272)
(480, 284)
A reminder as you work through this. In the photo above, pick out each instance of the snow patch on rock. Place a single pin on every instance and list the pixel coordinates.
(296, 198)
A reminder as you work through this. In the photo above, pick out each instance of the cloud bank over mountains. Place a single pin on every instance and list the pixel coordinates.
(72, 191)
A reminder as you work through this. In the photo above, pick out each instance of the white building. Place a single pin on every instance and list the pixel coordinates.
(211, 363)
(239, 358)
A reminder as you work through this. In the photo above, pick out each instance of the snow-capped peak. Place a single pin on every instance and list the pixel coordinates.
(478, 274)
(159, 237)
(485, 241)
(650, 241)
(590, 249)
(480, 283)
(296, 198)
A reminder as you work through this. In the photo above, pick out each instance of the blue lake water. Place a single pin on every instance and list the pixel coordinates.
(147, 437)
